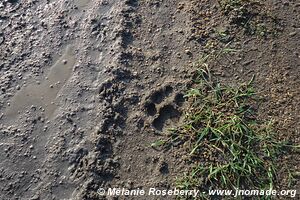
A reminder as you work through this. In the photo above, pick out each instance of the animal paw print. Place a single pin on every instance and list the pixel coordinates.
(163, 107)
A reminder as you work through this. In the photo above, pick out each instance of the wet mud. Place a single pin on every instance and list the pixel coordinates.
(87, 86)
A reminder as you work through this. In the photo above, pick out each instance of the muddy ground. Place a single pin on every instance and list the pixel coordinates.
(87, 86)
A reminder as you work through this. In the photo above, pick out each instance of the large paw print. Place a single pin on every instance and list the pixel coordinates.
(163, 107)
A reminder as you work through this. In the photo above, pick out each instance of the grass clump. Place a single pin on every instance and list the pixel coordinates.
(240, 11)
(230, 146)
(252, 16)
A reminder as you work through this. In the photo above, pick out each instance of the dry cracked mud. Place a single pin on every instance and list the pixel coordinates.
(87, 86)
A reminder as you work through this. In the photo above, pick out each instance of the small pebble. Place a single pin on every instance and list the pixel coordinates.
(292, 34)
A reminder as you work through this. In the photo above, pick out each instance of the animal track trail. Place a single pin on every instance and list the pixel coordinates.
(163, 107)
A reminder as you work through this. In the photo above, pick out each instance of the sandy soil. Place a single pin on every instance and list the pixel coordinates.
(87, 86)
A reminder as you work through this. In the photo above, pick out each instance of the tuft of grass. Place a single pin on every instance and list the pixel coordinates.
(230, 147)
(252, 16)
(241, 11)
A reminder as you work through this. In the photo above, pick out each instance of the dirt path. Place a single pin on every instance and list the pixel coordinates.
(87, 86)
(55, 57)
